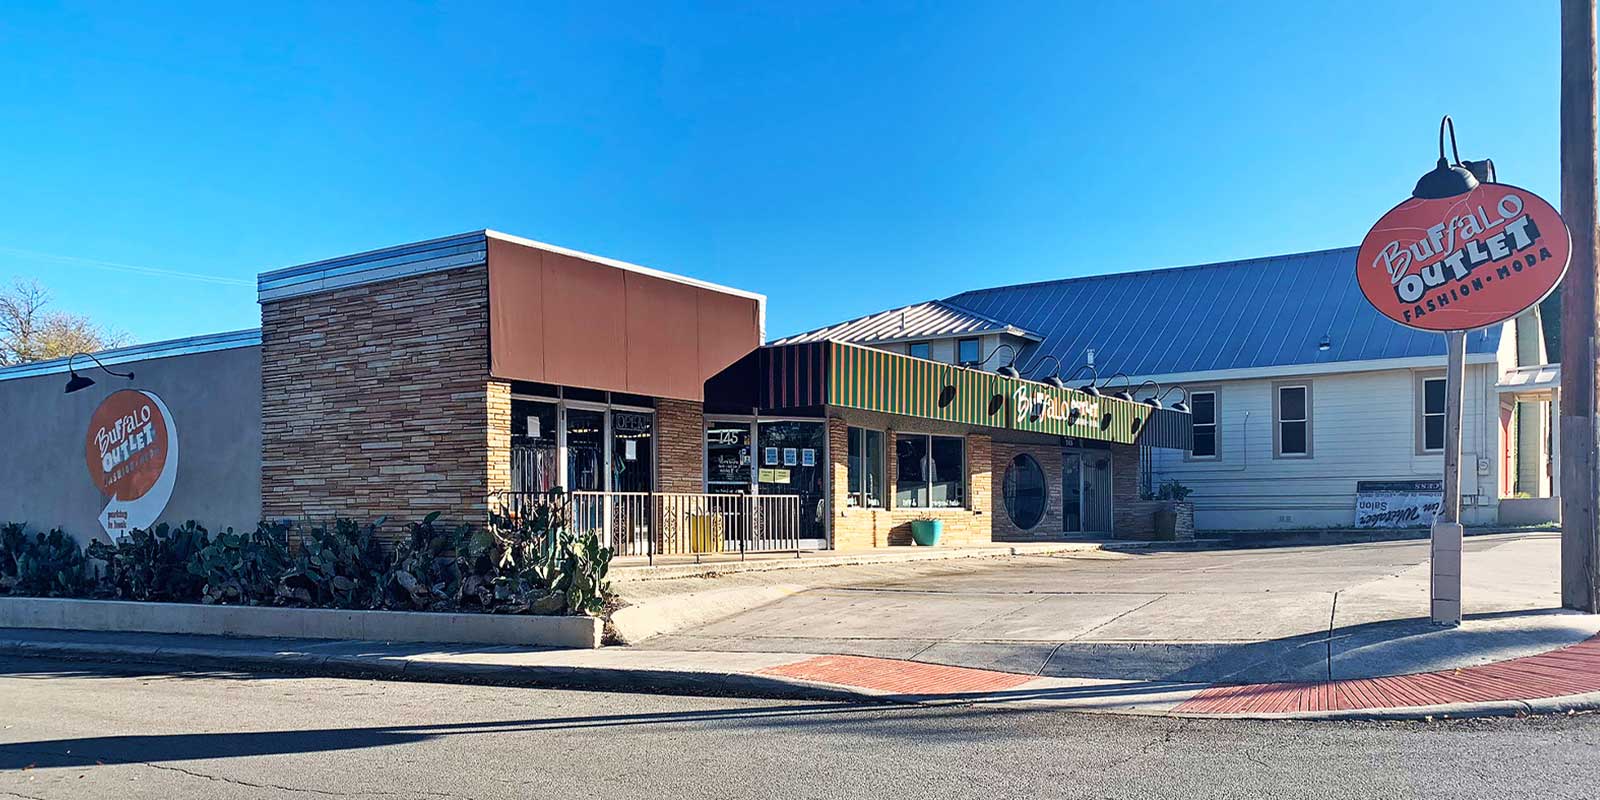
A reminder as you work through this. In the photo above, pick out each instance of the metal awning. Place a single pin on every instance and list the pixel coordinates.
(1531, 383)
(814, 376)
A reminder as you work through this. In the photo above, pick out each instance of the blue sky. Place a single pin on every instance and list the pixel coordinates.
(840, 158)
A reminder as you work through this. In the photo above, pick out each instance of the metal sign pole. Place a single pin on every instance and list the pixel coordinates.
(1444, 557)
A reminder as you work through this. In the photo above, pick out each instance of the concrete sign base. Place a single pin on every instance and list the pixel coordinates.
(1445, 573)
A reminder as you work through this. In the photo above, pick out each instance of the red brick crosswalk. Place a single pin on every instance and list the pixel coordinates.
(898, 677)
(1570, 670)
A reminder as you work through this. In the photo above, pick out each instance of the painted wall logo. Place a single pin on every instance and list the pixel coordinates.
(1464, 262)
(132, 454)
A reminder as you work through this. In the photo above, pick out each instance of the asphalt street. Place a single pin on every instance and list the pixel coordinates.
(84, 730)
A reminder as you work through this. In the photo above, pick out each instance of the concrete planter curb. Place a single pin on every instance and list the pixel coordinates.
(311, 623)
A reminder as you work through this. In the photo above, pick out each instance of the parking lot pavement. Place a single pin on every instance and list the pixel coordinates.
(1287, 614)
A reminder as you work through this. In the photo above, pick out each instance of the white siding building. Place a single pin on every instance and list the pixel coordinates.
(1299, 389)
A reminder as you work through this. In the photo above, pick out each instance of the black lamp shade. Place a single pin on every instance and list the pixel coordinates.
(1444, 181)
(1181, 406)
(1124, 395)
(1091, 390)
(77, 382)
(946, 396)
(1055, 380)
(1008, 371)
(1153, 402)
(996, 403)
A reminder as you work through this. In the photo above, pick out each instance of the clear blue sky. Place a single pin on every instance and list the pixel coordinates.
(841, 158)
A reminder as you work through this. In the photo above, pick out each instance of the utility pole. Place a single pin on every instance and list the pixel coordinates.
(1580, 482)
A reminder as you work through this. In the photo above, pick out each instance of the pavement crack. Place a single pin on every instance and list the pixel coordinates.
(9, 793)
(1139, 607)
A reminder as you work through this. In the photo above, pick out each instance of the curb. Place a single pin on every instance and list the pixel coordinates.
(709, 683)
(599, 679)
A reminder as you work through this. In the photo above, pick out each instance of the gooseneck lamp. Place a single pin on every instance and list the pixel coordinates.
(1090, 389)
(1447, 179)
(1153, 400)
(76, 382)
(1124, 394)
(1054, 379)
(1009, 369)
(1181, 405)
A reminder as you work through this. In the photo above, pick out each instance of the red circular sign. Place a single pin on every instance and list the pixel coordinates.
(1464, 262)
(128, 444)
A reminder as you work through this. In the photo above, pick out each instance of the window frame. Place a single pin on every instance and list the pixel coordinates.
(1215, 424)
(1278, 421)
(1420, 419)
(858, 499)
(911, 348)
(977, 342)
(966, 489)
(1006, 500)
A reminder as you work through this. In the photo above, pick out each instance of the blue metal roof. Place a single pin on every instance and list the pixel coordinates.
(1260, 312)
(928, 320)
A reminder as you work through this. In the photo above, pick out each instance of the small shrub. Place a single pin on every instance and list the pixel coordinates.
(153, 564)
(42, 565)
(243, 568)
(339, 567)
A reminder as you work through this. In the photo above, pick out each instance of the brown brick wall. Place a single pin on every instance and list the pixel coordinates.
(1128, 519)
(1049, 458)
(376, 401)
(862, 528)
(680, 446)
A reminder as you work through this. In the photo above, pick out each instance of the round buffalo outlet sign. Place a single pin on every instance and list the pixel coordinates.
(132, 455)
(1464, 262)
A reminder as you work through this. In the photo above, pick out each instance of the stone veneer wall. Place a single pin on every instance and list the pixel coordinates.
(1049, 458)
(861, 528)
(680, 446)
(376, 401)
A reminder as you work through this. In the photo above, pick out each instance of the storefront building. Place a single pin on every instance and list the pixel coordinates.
(468, 374)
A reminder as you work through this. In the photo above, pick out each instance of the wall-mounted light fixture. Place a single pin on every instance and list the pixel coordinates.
(1181, 405)
(1090, 389)
(1324, 343)
(1007, 370)
(1153, 400)
(1122, 395)
(1054, 378)
(947, 395)
(77, 382)
(1446, 179)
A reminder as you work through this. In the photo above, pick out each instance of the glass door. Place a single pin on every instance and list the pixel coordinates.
(728, 469)
(586, 450)
(792, 461)
(1097, 492)
(1071, 491)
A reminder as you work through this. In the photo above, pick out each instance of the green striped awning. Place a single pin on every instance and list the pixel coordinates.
(850, 376)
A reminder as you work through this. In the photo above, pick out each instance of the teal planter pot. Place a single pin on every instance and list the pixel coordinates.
(925, 532)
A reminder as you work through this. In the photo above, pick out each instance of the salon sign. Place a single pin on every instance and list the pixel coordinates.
(132, 454)
(1464, 262)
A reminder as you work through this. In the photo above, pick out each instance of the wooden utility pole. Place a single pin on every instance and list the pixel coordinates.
(1580, 534)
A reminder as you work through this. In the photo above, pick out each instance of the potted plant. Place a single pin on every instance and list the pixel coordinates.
(925, 530)
(1166, 522)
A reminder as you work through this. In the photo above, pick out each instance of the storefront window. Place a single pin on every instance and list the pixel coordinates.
(1024, 491)
(630, 450)
(728, 457)
(533, 446)
(931, 471)
(865, 468)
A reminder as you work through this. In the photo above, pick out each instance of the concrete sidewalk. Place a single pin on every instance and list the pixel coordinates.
(1255, 616)
(1561, 680)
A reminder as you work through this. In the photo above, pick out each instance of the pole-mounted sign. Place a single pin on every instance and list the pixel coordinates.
(1462, 253)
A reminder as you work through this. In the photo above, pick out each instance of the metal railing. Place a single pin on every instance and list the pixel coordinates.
(675, 523)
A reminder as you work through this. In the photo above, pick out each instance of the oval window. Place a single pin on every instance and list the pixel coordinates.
(1024, 491)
